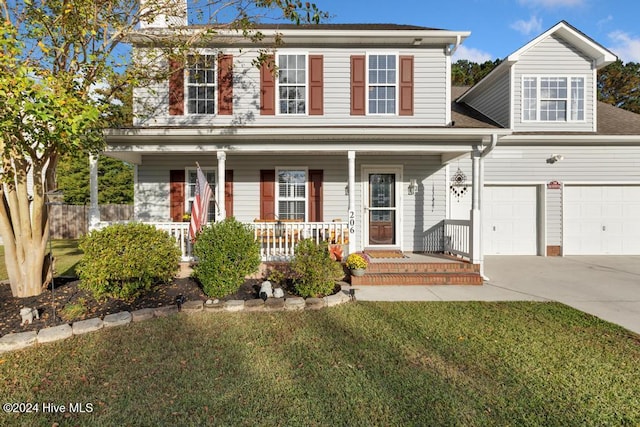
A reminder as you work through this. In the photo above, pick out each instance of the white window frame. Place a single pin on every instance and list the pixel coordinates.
(306, 83)
(188, 84)
(569, 100)
(189, 196)
(306, 190)
(396, 84)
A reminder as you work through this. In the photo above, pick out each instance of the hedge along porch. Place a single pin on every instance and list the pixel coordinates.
(368, 189)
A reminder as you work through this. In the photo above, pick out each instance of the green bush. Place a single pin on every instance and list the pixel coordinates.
(122, 260)
(315, 273)
(227, 252)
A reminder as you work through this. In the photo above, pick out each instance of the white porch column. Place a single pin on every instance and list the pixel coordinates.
(220, 185)
(476, 217)
(351, 188)
(94, 209)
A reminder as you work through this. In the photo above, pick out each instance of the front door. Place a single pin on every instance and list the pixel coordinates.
(382, 209)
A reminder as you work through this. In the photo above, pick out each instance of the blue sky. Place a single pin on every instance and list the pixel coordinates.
(500, 27)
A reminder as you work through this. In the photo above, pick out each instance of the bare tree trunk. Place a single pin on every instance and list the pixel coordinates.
(24, 227)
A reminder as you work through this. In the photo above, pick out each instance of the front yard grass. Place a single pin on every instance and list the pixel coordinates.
(66, 253)
(373, 364)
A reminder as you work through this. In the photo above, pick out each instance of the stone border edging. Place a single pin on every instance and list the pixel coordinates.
(20, 340)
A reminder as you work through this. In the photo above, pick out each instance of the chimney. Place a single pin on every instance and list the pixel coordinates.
(163, 13)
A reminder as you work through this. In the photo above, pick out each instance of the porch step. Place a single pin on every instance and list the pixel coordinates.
(419, 273)
(373, 279)
(422, 267)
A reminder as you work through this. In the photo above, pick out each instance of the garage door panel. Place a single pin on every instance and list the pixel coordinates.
(509, 218)
(602, 219)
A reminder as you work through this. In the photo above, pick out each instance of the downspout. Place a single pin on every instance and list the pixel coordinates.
(455, 47)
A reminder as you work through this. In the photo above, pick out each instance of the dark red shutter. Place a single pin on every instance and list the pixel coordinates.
(316, 85)
(228, 192)
(176, 87)
(268, 194)
(225, 85)
(268, 88)
(358, 83)
(406, 85)
(176, 194)
(315, 195)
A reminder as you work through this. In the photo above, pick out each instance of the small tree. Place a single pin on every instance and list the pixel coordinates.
(54, 55)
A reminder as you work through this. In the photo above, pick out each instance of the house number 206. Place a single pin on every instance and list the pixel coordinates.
(352, 222)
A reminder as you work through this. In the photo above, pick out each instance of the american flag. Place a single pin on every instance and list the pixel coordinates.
(200, 208)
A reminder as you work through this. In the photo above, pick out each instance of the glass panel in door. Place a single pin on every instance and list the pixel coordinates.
(382, 209)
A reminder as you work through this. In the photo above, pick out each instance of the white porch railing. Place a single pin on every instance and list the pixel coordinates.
(180, 232)
(277, 239)
(456, 237)
(449, 236)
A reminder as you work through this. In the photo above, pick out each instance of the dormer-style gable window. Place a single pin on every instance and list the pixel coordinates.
(553, 99)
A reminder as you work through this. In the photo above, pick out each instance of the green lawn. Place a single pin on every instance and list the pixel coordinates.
(66, 253)
(370, 364)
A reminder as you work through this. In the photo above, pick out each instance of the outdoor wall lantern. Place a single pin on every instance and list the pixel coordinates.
(413, 187)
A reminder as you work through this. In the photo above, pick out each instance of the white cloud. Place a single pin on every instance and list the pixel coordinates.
(471, 54)
(601, 23)
(625, 46)
(532, 26)
(553, 3)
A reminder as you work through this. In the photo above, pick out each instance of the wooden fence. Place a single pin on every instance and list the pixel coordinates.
(72, 221)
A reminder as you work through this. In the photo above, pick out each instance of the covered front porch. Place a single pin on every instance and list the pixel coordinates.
(360, 192)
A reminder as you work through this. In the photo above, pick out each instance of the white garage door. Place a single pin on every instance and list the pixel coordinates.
(602, 220)
(509, 221)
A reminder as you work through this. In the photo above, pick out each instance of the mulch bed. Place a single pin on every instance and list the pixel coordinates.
(66, 292)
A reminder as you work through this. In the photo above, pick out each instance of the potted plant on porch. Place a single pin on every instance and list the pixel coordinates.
(357, 263)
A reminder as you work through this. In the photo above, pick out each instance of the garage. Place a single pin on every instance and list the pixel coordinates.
(601, 220)
(510, 220)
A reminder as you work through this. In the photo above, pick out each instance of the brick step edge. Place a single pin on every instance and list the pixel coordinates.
(413, 267)
(377, 279)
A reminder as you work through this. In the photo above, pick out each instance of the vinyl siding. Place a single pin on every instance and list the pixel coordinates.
(493, 100)
(513, 165)
(419, 212)
(430, 107)
(554, 57)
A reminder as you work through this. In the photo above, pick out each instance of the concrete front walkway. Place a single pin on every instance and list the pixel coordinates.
(605, 286)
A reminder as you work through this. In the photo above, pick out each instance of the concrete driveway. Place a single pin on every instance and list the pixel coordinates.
(605, 286)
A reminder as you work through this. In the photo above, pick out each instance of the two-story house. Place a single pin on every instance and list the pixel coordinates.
(356, 136)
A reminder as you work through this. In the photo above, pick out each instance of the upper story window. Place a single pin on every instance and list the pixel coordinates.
(382, 84)
(191, 190)
(291, 193)
(201, 84)
(292, 84)
(553, 99)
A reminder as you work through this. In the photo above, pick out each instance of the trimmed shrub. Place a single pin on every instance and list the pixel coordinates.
(227, 252)
(315, 273)
(122, 260)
